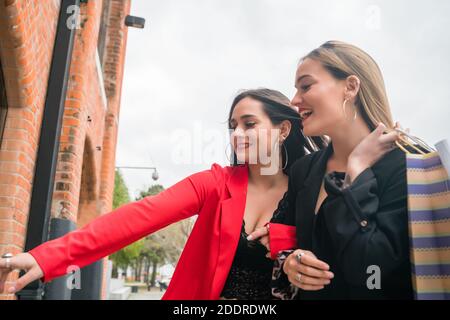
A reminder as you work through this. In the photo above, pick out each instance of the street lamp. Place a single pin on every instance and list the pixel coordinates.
(135, 22)
(155, 174)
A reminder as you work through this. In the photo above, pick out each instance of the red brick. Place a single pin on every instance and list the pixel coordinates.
(27, 33)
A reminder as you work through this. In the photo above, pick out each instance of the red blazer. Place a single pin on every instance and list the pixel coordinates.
(217, 195)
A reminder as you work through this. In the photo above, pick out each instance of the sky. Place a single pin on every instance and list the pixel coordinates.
(184, 68)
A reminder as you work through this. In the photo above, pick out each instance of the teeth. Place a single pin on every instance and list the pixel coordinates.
(305, 114)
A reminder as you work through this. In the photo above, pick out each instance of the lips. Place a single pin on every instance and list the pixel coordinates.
(305, 114)
(242, 146)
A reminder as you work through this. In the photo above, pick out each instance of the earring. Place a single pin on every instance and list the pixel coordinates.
(287, 157)
(344, 105)
(226, 153)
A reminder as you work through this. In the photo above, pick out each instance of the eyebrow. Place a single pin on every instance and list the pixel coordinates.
(300, 78)
(245, 116)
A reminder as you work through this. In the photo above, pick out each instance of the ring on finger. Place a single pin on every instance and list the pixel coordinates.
(7, 257)
(299, 256)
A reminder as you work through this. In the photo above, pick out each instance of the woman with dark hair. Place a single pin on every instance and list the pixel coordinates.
(218, 259)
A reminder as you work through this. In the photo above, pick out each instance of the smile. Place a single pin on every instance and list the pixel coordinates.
(242, 145)
(305, 114)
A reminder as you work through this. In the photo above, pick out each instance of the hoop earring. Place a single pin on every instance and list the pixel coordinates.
(344, 105)
(287, 157)
(226, 153)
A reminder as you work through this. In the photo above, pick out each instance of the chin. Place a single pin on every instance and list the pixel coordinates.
(308, 132)
(312, 131)
(241, 158)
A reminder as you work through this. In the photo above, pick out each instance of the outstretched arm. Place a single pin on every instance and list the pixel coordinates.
(111, 232)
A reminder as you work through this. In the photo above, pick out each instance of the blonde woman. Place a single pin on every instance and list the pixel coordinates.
(348, 202)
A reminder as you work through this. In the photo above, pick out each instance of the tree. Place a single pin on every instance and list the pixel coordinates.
(121, 195)
(122, 258)
(164, 246)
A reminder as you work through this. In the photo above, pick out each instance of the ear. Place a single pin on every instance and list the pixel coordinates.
(285, 129)
(352, 85)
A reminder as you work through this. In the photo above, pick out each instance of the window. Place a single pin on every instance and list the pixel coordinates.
(3, 103)
(101, 45)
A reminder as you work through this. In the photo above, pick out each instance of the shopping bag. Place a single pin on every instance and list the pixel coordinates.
(429, 220)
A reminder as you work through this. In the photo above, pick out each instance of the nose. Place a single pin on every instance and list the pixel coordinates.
(238, 132)
(297, 100)
(237, 135)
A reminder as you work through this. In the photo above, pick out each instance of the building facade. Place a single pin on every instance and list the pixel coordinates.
(84, 178)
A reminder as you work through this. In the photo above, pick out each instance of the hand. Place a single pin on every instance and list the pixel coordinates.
(310, 273)
(262, 234)
(370, 150)
(23, 261)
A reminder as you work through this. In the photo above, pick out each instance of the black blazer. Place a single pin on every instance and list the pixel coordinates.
(363, 225)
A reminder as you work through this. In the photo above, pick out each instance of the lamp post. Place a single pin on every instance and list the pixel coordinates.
(155, 174)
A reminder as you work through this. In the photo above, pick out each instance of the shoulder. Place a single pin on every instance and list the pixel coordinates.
(226, 172)
(304, 163)
(217, 174)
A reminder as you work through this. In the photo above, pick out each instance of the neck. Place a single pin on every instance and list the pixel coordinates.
(256, 176)
(346, 137)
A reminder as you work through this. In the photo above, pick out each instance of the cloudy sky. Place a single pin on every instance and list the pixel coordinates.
(183, 70)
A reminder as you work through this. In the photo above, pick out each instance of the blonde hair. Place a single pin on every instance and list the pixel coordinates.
(343, 60)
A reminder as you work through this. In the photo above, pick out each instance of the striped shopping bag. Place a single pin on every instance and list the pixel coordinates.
(429, 221)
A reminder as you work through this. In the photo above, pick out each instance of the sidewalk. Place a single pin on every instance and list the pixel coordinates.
(143, 294)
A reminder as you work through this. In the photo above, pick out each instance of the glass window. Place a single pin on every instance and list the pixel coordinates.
(3, 103)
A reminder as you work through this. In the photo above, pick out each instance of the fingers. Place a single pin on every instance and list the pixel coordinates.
(389, 137)
(304, 279)
(3, 276)
(315, 273)
(27, 278)
(258, 233)
(314, 262)
(306, 283)
(4, 271)
(380, 129)
(298, 282)
(265, 242)
(308, 274)
(19, 261)
(23, 261)
(3, 264)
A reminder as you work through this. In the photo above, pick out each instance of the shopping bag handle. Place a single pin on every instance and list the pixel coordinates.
(406, 139)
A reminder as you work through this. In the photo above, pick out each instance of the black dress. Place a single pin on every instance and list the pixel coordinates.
(250, 274)
(358, 229)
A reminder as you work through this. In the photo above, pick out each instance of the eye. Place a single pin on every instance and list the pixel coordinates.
(305, 87)
(250, 124)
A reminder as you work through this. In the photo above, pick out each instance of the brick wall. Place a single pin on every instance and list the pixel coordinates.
(86, 159)
(26, 45)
